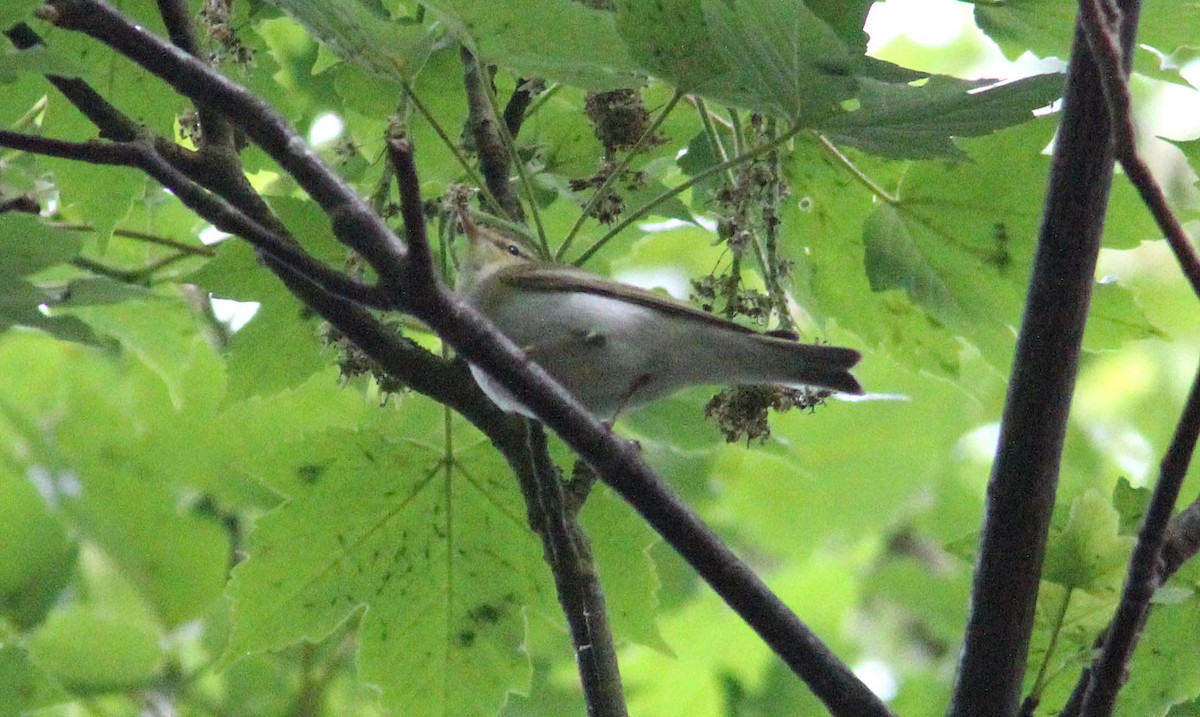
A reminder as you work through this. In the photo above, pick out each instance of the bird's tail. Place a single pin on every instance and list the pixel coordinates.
(789, 362)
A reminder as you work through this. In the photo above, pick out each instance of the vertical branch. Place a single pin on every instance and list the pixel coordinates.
(565, 545)
(1020, 495)
(493, 156)
(215, 132)
(569, 554)
(1144, 574)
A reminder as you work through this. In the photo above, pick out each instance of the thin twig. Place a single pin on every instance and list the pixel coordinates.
(1101, 21)
(353, 221)
(474, 177)
(568, 552)
(1102, 24)
(862, 177)
(140, 275)
(771, 221)
(200, 250)
(214, 208)
(616, 172)
(489, 144)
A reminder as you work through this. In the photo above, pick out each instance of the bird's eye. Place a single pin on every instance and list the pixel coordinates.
(514, 250)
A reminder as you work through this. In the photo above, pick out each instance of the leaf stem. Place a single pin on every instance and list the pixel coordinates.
(771, 226)
(140, 236)
(1039, 682)
(860, 175)
(602, 190)
(638, 213)
(714, 140)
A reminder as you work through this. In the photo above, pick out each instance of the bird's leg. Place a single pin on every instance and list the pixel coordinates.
(638, 384)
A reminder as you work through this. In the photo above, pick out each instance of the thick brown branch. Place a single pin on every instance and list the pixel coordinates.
(1021, 492)
(353, 221)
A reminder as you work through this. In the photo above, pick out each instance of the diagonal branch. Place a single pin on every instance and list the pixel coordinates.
(212, 207)
(568, 551)
(1020, 496)
(353, 221)
(112, 123)
(620, 465)
(1101, 21)
(215, 132)
(1145, 572)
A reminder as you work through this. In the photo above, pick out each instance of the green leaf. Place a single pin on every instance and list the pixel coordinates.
(164, 334)
(254, 435)
(257, 362)
(25, 686)
(620, 541)
(895, 261)
(846, 18)
(36, 60)
(88, 649)
(1190, 149)
(1089, 553)
(278, 349)
(555, 39)
(802, 476)
(1037, 26)
(15, 11)
(775, 56)
(439, 556)
(972, 226)
(1028, 25)
(1115, 319)
(178, 562)
(36, 558)
(361, 32)
(1165, 669)
(73, 413)
(29, 244)
(21, 305)
(1131, 504)
(822, 227)
(687, 56)
(786, 60)
(905, 122)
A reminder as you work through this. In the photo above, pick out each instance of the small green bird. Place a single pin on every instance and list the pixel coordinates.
(616, 346)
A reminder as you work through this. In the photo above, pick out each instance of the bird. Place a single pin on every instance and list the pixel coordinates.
(617, 347)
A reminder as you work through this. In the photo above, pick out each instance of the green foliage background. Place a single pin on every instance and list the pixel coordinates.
(223, 521)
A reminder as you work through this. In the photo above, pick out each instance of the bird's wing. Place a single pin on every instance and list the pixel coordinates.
(563, 278)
